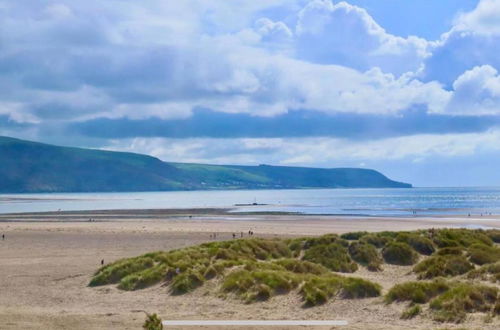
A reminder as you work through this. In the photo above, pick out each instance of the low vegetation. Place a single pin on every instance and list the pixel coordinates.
(333, 256)
(490, 272)
(258, 269)
(366, 254)
(411, 312)
(416, 292)
(481, 254)
(399, 253)
(463, 298)
(153, 322)
(418, 242)
(448, 301)
(445, 266)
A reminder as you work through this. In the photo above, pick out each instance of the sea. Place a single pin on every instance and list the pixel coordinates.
(353, 202)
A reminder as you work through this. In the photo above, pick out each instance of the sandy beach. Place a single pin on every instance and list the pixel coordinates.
(47, 260)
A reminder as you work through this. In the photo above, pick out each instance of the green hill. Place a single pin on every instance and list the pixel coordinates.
(36, 167)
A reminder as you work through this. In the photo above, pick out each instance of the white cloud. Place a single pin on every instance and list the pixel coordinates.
(476, 92)
(311, 151)
(347, 35)
(474, 40)
(484, 19)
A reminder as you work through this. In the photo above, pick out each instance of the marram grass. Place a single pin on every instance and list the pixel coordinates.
(257, 269)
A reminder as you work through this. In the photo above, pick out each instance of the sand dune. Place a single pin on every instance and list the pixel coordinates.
(47, 260)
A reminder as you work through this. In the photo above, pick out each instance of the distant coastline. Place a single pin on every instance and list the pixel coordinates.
(32, 167)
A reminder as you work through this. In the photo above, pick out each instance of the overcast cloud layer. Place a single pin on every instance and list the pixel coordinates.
(317, 83)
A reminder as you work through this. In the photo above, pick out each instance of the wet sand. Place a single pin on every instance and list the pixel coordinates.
(47, 260)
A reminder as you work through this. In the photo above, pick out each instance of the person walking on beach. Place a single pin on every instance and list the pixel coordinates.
(3, 237)
(102, 262)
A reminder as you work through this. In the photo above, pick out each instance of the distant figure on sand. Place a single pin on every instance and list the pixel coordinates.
(234, 235)
(3, 237)
(102, 262)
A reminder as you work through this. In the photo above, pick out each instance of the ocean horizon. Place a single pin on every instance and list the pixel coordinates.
(417, 201)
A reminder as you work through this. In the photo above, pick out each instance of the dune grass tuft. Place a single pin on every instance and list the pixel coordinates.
(460, 237)
(359, 288)
(419, 243)
(481, 254)
(453, 305)
(353, 235)
(450, 251)
(144, 278)
(451, 265)
(317, 290)
(333, 256)
(493, 234)
(301, 266)
(399, 253)
(114, 272)
(186, 282)
(411, 312)
(377, 240)
(416, 292)
(488, 272)
(366, 254)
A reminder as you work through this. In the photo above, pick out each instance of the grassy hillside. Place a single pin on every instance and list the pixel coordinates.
(37, 167)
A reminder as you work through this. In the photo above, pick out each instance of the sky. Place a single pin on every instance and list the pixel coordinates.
(409, 88)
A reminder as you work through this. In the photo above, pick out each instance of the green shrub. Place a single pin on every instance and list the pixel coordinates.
(435, 266)
(186, 282)
(296, 245)
(453, 305)
(114, 272)
(317, 290)
(260, 292)
(301, 266)
(376, 240)
(488, 272)
(388, 234)
(481, 254)
(460, 237)
(324, 240)
(259, 285)
(411, 312)
(493, 234)
(239, 281)
(278, 281)
(366, 255)
(333, 256)
(145, 278)
(421, 244)
(398, 253)
(153, 322)
(360, 288)
(450, 251)
(353, 235)
(416, 292)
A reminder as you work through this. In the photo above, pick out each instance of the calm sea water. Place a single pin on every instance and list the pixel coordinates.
(390, 202)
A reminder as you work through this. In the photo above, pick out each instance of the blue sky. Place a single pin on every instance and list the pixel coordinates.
(410, 88)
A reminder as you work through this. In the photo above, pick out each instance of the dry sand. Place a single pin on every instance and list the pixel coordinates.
(47, 260)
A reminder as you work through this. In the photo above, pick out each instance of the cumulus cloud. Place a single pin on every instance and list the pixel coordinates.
(347, 35)
(474, 40)
(484, 19)
(476, 91)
